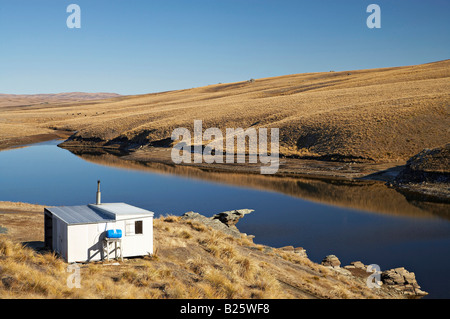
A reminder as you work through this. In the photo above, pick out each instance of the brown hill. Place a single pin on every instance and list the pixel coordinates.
(36, 99)
(385, 114)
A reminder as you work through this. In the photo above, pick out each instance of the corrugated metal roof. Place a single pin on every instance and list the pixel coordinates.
(121, 209)
(89, 214)
(80, 214)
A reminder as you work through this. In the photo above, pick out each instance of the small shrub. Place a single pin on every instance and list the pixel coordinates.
(185, 234)
(171, 219)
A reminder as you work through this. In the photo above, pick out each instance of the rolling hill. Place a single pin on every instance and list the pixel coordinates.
(375, 115)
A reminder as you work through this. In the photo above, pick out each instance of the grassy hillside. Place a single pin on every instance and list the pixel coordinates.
(12, 100)
(190, 261)
(381, 114)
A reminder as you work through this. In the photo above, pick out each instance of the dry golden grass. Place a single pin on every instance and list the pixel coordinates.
(18, 206)
(383, 114)
(190, 261)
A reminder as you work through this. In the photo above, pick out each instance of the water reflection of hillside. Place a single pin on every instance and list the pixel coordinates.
(371, 196)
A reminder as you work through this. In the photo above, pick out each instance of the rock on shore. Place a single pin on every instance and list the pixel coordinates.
(230, 218)
(403, 281)
(225, 221)
(398, 279)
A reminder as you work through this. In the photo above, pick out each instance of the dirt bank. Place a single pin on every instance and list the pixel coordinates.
(428, 174)
(20, 141)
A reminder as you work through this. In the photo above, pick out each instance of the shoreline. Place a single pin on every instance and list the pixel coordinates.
(24, 141)
(290, 167)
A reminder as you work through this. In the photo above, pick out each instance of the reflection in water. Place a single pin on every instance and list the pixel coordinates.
(364, 195)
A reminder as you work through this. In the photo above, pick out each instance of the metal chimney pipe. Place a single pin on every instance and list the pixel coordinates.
(99, 195)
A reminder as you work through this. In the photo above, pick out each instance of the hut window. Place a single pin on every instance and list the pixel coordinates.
(138, 227)
(133, 228)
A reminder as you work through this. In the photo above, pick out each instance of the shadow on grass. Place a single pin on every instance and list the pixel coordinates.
(37, 246)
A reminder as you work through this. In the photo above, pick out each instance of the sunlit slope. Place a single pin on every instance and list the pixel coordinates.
(11, 100)
(380, 114)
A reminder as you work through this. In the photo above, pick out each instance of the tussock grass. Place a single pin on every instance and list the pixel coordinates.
(191, 261)
(196, 225)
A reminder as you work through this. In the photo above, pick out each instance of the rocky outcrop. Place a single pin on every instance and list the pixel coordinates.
(331, 261)
(398, 279)
(427, 173)
(356, 265)
(225, 221)
(300, 251)
(403, 281)
(230, 218)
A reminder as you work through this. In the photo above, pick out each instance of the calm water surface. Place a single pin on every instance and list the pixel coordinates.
(46, 174)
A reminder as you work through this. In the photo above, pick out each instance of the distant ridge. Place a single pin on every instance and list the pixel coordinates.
(52, 98)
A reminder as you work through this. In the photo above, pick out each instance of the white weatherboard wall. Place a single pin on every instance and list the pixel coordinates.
(137, 244)
(85, 241)
(133, 244)
(77, 241)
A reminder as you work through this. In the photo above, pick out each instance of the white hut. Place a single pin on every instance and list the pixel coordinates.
(86, 233)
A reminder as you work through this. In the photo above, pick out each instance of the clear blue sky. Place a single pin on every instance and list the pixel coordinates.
(144, 46)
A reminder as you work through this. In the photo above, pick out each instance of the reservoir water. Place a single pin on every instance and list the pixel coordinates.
(365, 222)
